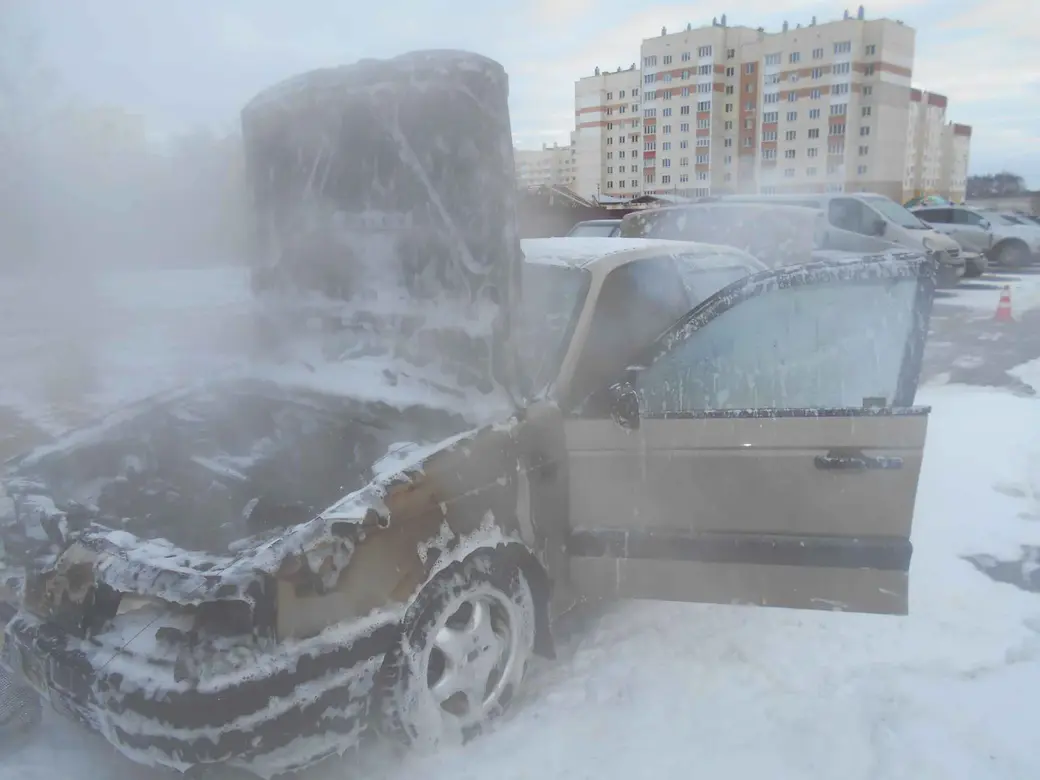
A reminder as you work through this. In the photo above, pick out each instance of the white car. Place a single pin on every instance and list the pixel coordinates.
(1016, 239)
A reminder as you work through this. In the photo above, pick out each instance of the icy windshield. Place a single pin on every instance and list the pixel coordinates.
(552, 299)
(893, 212)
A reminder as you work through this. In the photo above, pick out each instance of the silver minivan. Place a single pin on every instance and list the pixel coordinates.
(855, 221)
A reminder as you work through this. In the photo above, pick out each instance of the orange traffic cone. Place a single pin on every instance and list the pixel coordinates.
(1004, 307)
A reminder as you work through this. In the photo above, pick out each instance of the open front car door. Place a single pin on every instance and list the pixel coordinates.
(766, 449)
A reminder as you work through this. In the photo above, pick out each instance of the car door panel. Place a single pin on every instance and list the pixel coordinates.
(800, 507)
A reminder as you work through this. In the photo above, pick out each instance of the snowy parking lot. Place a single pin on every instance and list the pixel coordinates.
(659, 689)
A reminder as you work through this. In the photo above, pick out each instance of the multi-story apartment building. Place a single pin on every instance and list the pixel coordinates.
(608, 134)
(820, 107)
(937, 151)
(546, 166)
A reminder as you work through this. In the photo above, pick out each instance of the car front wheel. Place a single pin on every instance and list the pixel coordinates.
(1012, 254)
(467, 640)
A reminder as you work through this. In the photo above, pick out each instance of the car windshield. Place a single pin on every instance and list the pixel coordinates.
(552, 298)
(601, 229)
(893, 212)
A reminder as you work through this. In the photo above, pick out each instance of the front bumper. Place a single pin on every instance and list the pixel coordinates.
(950, 269)
(976, 261)
(300, 703)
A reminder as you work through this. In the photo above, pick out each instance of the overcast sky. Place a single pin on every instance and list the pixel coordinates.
(195, 62)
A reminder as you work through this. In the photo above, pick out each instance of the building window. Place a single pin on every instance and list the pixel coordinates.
(729, 89)
(666, 146)
(817, 54)
(795, 56)
(685, 110)
(701, 142)
(702, 175)
(839, 109)
(704, 105)
(704, 70)
(685, 56)
(792, 97)
(703, 159)
(771, 97)
(666, 162)
(770, 117)
(861, 169)
(810, 171)
(840, 89)
(837, 129)
(649, 78)
(704, 51)
(868, 70)
(790, 135)
(788, 173)
(871, 49)
(864, 150)
(610, 140)
(749, 124)
(792, 116)
(749, 105)
(610, 155)
(730, 71)
(684, 127)
(703, 124)
(772, 59)
(666, 112)
(814, 113)
(789, 154)
(835, 148)
(814, 132)
(812, 151)
(746, 143)
(814, 94)
(840, 68)
(843, 47)
(864, 130)
(683, 178)
(731, 53)
(728, 142)
(769, 135)
(771, 78)
(769, 154)
(684, 162)
(867, 91)
(685, 91)
(728, 125)
(650, 61)
(817, 73)
(749, 68)
(666, 59)
(666, 179)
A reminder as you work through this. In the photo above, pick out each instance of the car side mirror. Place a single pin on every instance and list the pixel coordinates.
(879, 227)
(624, 405)
(985, 224)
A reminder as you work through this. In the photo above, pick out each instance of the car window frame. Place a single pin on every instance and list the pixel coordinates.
(919, 266)
(925, 215)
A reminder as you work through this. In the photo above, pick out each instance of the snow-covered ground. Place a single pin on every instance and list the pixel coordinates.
(680, 690)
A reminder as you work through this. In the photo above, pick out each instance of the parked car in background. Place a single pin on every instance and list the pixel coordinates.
(605, 228)
(969, 229)
(1016, 239)
(248, 574)
(850, 219)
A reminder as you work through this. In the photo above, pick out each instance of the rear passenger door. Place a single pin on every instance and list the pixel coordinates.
(777, 452)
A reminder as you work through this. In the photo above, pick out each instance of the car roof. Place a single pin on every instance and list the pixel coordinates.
(601, 254)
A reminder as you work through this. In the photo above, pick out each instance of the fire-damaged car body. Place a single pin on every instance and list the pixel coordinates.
(260, 570)
(762, 448)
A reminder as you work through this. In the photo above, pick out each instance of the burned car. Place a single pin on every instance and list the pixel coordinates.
(759, 446)
(261, 570)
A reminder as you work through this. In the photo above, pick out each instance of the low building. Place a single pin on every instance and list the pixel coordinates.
(545, 167)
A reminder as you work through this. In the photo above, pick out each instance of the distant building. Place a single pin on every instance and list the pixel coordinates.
(937, 151)
(550, 165)
(810, 108)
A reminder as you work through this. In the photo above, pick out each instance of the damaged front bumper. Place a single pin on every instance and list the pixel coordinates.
(282, 710)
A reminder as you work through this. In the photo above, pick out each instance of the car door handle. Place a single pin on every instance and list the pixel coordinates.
(857, 461)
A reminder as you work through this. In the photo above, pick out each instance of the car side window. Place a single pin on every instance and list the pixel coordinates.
(936, 216)
(851, 214)
(637, 303)
(965, 217)
(802, 347)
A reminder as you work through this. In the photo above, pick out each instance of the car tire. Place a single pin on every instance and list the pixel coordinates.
(1012, 254)
(464, 650)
